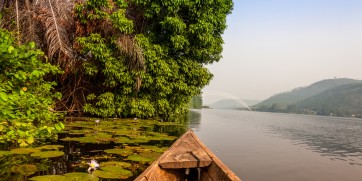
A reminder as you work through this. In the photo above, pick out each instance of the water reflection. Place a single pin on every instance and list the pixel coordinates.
(282, 147)
(336, 138)
(194, 119)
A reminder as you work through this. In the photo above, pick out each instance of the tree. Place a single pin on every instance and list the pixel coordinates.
(135, 57)
(26, 99)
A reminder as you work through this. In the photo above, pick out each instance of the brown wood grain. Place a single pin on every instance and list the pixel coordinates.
(171, 164)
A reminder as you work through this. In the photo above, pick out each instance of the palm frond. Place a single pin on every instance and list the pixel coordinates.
(129, 47)
(58, 45)
(28, 23)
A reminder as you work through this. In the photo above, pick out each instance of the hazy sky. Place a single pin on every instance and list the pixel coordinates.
(273, 46)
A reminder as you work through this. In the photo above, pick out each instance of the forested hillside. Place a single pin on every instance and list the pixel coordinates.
(301, 93)
(345, 100)
(337, 97)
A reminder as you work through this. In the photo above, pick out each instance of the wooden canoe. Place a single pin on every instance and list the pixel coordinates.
(188, 159)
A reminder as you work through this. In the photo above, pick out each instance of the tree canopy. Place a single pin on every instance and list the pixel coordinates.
(124, 58)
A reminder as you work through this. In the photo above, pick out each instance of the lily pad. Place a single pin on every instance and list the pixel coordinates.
(151, 155)
(114, 163)
(123, 173)
(113, 172)
(4, 153)
(122, 152)
(160, 136)
(104, 174)
(50, 178)
(122, 140)
(47, 154)
(154, 148)
(24, 169)
(139, 158)
(139, 139)
(81, 176)
(50, 147)
(24, 150)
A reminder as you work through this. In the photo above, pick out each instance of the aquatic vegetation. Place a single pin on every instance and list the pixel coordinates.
(50, 178)
(139, 158)
(47, 154)
(122, 140)
(112, 172)
(93, 165)
(154, 148)
(66, 177)
(115, 163)
(24, 169)
(122, 152)
(5, 153)
(122, 148)
(50, 147)
(81, 176)
(24, 151)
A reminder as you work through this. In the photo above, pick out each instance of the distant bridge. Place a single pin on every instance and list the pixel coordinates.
(228, 95)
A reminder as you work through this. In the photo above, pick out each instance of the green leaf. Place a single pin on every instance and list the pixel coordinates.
(10, 49)
(57, 127)
(3, 96)
(30, 140)
(61, 125)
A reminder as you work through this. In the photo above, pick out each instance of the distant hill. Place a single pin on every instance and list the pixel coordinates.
(299, 94)
(344, 100)
(338, 97)
(232, 104)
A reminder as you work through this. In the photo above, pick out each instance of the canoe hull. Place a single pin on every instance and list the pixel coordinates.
(215, 171)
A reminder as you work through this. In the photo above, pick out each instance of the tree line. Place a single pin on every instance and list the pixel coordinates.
(105, 58)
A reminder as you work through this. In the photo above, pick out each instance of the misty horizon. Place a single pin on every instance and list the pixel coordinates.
(276, 46)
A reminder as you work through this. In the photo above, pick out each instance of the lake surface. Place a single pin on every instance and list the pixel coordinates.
(282, 147)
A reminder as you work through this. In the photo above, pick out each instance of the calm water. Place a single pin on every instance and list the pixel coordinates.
(282, 147)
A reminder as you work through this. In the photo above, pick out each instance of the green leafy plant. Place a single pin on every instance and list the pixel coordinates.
(26, 99)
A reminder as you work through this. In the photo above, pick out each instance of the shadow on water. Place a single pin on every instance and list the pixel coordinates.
(122, 147)
(332, 137)
(194, 119)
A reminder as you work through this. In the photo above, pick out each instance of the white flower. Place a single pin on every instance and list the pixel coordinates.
(93, 165)
(97, 121)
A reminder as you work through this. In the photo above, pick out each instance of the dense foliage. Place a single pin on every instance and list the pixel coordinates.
(26, 100)
(127, 58)
(176, 38)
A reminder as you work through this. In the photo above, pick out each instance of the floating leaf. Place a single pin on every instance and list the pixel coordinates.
(50, 147)
(139, 158)
(160, 136)
(122, 173)
(24, 169)
(47, 154)
(122, 152)
(81, 176)
(50, 178)
(5, 153)
(24, 150)
(151, 155)
(104, 174)
(122, 140)
(114, 163)
(154, 148)
(113, 173)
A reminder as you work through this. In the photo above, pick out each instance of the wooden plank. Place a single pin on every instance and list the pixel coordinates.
(187, 153)
(217, 170)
